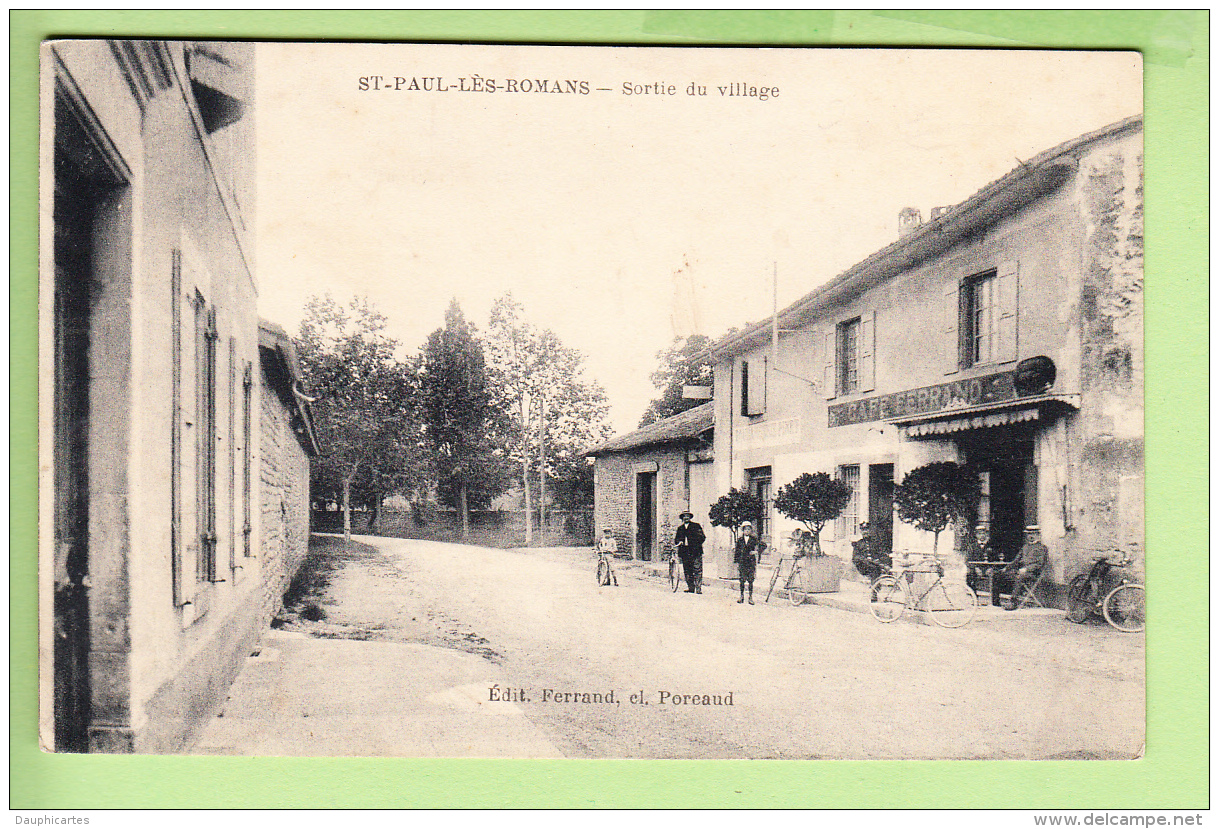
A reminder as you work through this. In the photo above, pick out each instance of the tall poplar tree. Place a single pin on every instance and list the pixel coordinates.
(557, 412)
(463, 428)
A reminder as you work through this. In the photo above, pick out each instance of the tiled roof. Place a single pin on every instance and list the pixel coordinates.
(689, 424)
(997, 199)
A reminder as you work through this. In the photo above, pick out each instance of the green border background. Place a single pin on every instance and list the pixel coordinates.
(1173, 774)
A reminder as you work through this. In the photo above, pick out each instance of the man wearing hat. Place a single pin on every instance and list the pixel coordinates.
(1022, 573)
(690, 538)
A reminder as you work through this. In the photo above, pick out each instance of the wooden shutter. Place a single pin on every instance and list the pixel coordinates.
(182, 584)
(952, 326)
(867, 351)
(830, 360)
(1006, 299)
(744, 387)
(753, 387)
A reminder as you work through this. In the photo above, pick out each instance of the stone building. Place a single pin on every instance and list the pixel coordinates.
(643, 480)
(152, 573)
(1004, 334)
(288, 441)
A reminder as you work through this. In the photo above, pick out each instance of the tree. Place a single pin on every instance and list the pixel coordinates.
(813, 499)
(680, 366)
(737, 506)
(557, 412)
(935, 495)
(364, 413)
(462, 426)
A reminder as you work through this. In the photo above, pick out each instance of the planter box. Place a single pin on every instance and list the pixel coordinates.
(824, 573)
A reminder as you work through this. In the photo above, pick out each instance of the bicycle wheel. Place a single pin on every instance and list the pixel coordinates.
(603, 573)
(674, 574)
(887, 599)
(1079, 605)
(774, 579)
(797, 593)
(951, 605)
(1124, 608)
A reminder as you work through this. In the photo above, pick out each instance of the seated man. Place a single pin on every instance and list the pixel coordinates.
(869, 561)
(1022, 573)
(979, 549)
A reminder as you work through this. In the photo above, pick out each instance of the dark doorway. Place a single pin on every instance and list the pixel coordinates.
(645, 515)
(75, 198)
(1002, 458)
(880, 506)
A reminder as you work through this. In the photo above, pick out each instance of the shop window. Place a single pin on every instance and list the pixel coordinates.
(848, 521)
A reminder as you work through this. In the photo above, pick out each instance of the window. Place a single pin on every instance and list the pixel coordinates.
(753, 397)
(848, 522)
(980, 318)
(205, 399)
(848, 356)
(247, 456)
(758, 484)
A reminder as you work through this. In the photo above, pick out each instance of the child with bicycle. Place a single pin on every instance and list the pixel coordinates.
(607, 548)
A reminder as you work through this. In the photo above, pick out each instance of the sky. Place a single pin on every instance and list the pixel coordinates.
(622, 218)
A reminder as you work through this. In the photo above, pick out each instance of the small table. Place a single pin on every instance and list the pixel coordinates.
(989, 567)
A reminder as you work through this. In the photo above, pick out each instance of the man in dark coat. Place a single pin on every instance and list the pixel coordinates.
(690, 538)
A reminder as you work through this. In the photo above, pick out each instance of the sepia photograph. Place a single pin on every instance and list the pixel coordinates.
(592, 402)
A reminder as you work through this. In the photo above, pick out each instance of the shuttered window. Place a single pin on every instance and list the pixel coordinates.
(987, 310)
(850, 352)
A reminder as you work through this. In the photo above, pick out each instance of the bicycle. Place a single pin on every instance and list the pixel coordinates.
(675, 572)
(949, 604)
(605, 569)
(797, 586)
(1122, 606)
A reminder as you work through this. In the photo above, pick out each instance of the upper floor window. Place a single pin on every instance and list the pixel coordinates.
(980, 318)
(850, 356)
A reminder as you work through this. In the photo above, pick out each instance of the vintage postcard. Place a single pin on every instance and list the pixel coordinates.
(466, 401)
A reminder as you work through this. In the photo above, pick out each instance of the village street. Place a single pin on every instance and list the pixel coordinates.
(437, 631)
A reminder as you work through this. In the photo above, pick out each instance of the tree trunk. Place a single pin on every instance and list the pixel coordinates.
(374, 514)
(542, 473)
(346, 509)
(525, 474)
(465, 513)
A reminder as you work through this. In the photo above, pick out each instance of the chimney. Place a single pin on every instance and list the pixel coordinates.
(908, 221)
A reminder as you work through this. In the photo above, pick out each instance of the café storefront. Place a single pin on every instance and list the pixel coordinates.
(1003, 427)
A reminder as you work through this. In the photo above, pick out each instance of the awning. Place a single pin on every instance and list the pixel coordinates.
(988, 416)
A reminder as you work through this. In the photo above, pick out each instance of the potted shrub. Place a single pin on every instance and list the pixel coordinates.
(814, 499)
(737, 506)
(935, 495)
